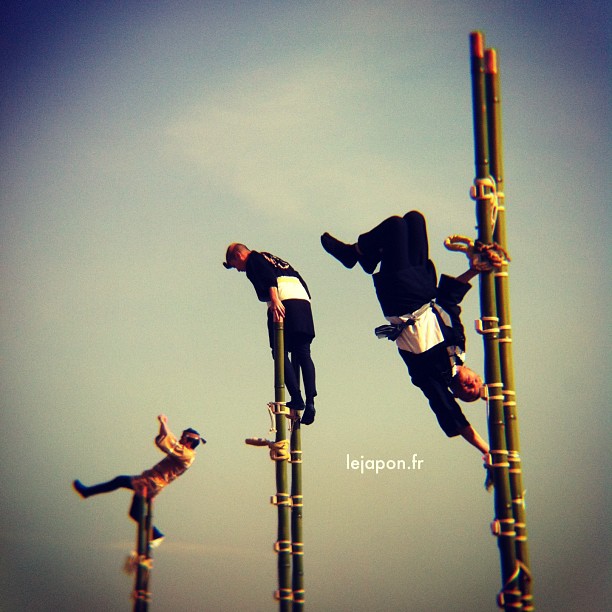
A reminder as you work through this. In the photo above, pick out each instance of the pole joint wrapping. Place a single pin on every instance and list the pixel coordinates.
(479, 325)
(498, 525)
(519, 568)
(497, 463)
(296, 456)
(283, 595)
(145, 562)
(485, 190)
(520, 527)
(281, 499)
(297, 548)
(514, 456)
(141, 595)
(134, 561)
(282, 546)
(490, 393)
(299, 596)
(277, 409)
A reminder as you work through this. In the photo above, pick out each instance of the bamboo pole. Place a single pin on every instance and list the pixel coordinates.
(297, 503)
(282, 499)
(143, 567)
(488, 325)
(502, 292)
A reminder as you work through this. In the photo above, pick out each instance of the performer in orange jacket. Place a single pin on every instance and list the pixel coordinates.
(180, 456)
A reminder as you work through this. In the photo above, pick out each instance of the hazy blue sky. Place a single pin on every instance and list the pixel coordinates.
(138, 140)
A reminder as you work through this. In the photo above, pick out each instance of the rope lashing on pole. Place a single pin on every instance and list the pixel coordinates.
(141, 598)
(482, 257)
(134, 560)
(484, 193)
(520, 569)
(283, 451)
(484, 326)
(282, 546)
(284, 593)
(484, 190)
(297, 503)
(502, 291)
(506, 337)
(497, 527)
(279, 451)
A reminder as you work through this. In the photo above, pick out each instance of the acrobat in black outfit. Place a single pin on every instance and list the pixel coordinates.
(424, 316)
(286, 293)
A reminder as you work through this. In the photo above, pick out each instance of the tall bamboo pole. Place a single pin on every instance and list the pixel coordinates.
(488, 326)
(282, 500)
(297, 499)
(502, 292)
(143, 567)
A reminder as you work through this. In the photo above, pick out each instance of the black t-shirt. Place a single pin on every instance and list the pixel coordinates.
(265, 270)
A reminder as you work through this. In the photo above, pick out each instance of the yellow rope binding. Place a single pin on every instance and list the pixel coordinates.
(501, 597)
(482, 257)
(133, 560)
(141, 595)
(279, 451)
(283, 595)
(485, 189)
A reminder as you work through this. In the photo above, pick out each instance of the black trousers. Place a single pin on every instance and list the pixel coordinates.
(407, 278)
(397, 243)
(299, 364)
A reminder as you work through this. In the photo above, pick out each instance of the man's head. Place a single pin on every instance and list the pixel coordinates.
(236, 256)
(191, 438)
(466, 385)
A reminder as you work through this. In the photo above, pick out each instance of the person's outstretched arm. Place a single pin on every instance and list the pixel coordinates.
(163, 425)
(467, 276)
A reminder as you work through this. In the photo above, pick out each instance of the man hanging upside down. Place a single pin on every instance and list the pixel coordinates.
(180, 456)
(424, 316)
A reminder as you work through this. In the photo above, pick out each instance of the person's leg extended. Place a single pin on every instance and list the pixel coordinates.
(397, 242)
(370, 247)
(388, 243)
(120, 482)
(417, 242)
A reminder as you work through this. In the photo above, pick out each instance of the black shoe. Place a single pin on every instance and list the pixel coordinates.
(296, 404)
(344, 253)
(309, 415)
(80, 488)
